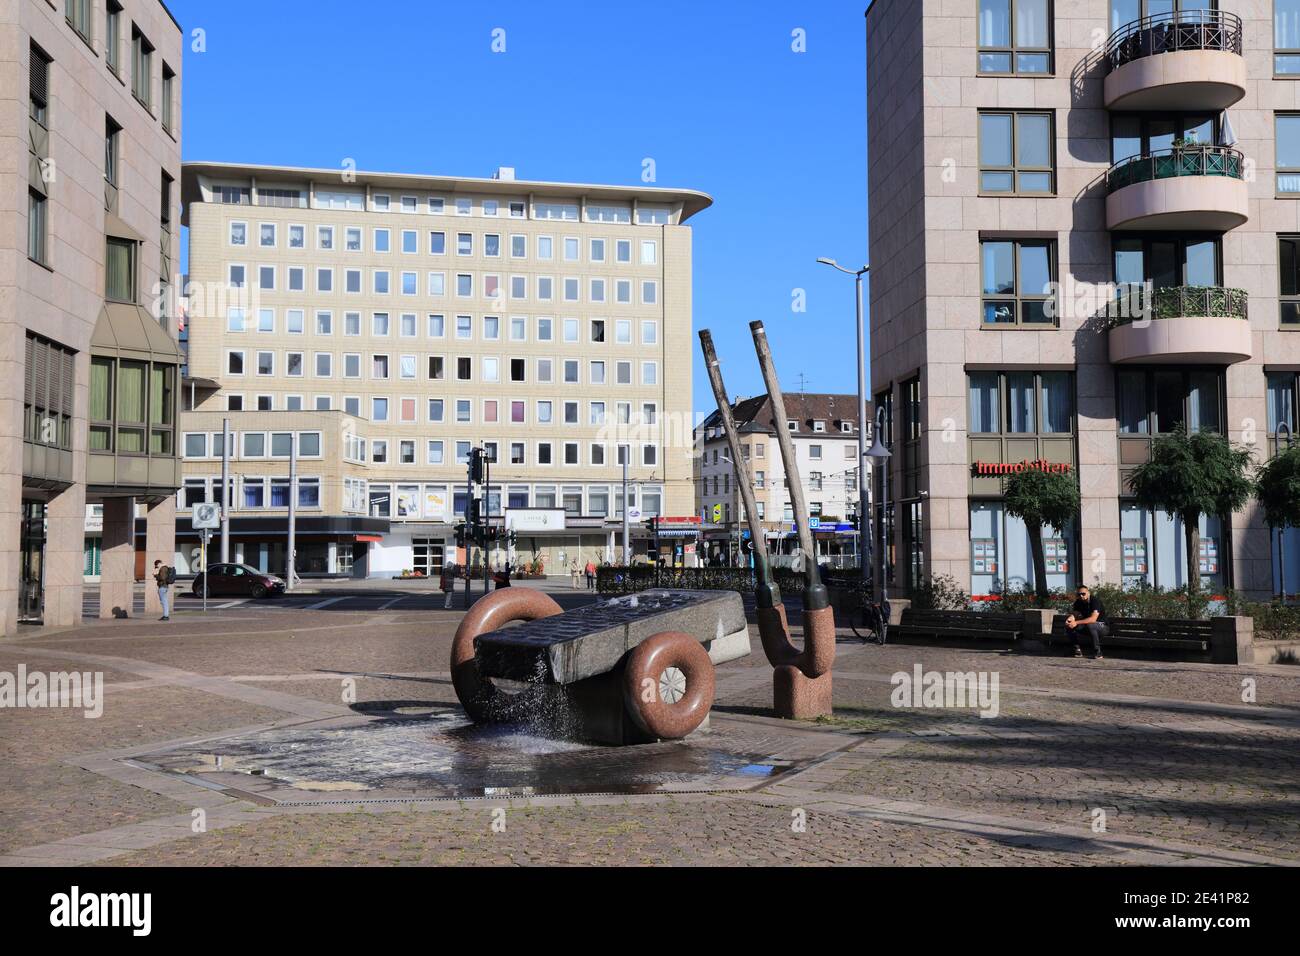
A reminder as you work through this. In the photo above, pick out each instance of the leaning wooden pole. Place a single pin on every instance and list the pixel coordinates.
(801, 688)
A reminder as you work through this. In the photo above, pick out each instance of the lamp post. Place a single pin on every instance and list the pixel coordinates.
(879, 455)
(1281, 535)
(863, 563)
(735, 498)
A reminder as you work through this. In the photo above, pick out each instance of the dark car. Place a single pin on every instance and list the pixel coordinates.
(239, 579)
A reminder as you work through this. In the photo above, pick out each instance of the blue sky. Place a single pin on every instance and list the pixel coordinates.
(713, 92)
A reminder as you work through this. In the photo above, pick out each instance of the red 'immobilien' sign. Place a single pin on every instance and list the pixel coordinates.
(995, 468)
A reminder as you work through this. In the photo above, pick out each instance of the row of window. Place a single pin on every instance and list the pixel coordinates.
(489, 245)
(1150, 401)
(1016, 37)
(491, 327)
(495, 287)
(436, 502)
(1018, 276)
(383, 367)
(78, 13)
(1017, 148)
(355, 200)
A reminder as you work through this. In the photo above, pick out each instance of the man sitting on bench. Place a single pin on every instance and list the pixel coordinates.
(1088, 620)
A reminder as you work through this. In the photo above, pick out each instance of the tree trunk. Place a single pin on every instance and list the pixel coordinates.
(1192, 534)
(1040, 563)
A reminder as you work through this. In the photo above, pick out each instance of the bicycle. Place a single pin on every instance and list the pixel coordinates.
(877, 620)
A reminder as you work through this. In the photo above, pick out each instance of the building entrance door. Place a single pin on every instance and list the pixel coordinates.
(428, 556)
(31, 587)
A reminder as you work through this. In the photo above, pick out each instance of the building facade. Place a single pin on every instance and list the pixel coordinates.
(1084, 221)
(824, 429)
(89, 162)
(391, 322)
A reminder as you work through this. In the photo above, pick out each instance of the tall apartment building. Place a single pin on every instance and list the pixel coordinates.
(1033, 164)
(824, 429)
(89, 158)
(391, 322)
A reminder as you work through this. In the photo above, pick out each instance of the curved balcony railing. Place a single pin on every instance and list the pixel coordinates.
(1136, 303)
(1177, 161)
(1172, 32)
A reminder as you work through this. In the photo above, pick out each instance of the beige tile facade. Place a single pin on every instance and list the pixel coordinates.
(439, 313)
(927, 218)
(60, 299)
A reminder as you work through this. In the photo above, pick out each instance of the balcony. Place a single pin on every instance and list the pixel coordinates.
(1184, 188)
(1188, 60)
(1182, 325)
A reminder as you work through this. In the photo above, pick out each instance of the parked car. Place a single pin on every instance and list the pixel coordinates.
(238, 579)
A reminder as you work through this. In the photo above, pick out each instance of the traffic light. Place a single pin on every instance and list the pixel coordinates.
(460, 536)
(476, 465)
(474, 513)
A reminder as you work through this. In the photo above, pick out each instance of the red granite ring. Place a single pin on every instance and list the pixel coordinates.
(481, 700)
(668, 684)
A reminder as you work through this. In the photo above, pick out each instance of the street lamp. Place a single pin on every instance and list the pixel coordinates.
(736, 502)
(863, 564)
(879, 456)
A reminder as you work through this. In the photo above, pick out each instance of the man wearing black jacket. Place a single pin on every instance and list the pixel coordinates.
(1087, 620)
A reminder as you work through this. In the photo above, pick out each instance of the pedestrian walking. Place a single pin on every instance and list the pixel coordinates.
(573, 572)
(164, 575)
(591, 575)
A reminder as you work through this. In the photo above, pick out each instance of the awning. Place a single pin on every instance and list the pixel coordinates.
(116, 227)
(678, 533)
(369, 538)
(128, 330)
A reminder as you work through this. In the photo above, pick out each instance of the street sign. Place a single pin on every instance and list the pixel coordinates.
(814, 523)
(205, 514)
(633, 514)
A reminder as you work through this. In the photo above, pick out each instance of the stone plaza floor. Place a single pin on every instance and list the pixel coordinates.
(322, 729)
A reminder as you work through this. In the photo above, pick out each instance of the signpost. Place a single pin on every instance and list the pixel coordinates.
(205, 517)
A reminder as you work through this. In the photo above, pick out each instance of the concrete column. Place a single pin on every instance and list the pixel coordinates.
(159, 545)
(65, 542)
(1232, 640)
(117, 577)
(12, 337)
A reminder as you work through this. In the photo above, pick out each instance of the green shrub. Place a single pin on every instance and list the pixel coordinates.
(940, 592)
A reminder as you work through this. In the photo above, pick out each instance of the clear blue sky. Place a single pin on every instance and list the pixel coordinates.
(712, 92)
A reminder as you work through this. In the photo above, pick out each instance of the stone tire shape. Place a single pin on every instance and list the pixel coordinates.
(482, 700)
(647, 662)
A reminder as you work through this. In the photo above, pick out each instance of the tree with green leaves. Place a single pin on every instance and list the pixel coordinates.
(1277, 487)
(1193, 474)
(1041, 499)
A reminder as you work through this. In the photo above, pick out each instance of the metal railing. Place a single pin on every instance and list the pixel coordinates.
(1193, 160)
(1139, 304)
(1171, 32)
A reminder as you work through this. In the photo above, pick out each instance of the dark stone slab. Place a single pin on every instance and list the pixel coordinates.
(592, 640)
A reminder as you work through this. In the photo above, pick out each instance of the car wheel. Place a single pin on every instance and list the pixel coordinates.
(197, 588)
(258, 590)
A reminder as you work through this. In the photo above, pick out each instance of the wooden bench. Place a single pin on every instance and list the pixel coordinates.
(1150, 633)
(962, 624)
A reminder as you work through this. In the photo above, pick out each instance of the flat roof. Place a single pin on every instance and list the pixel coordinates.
(692, 200)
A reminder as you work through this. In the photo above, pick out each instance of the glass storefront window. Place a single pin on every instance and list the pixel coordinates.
(1154, 549)
(1000, 553)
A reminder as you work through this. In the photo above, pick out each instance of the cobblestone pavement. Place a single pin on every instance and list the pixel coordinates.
(1187, 762)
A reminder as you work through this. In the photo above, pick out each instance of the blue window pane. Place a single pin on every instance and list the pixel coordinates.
(995, 139)
(996, 182)
(1033, 63)
(995, 62)
(1035, 269)
(995, 22)
(999, 268)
